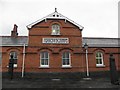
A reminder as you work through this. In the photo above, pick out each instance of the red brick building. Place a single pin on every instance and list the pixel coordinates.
(55, 44)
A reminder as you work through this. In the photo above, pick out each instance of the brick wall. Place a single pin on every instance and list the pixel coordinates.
(35, 46)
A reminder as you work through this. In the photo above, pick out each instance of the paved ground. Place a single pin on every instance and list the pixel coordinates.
(56, 83)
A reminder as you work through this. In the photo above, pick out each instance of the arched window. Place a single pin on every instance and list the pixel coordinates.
(15, 57)
(99, 59)
(44, 59)
(66, 59)
(55, 29)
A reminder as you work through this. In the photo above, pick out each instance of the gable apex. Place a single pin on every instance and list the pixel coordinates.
(55, 15)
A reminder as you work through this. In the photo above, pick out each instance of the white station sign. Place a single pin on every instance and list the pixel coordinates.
(55, 40)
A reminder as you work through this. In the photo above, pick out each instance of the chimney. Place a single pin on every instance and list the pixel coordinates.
(14, 31)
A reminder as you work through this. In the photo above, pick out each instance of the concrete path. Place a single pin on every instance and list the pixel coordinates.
(57, 83)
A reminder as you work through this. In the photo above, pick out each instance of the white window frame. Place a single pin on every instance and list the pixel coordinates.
(15, 64)
(54, 30)
(44, 66)
(66, 66)
(101, 58)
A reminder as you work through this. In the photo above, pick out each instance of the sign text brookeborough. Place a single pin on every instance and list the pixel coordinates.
(55, 40)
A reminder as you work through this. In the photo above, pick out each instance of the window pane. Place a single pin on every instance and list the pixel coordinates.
(100, 61)
(46, 62)
(66, 58)
(55, 29)
(67, 61)
(97, 61)
(67, 54)
(46, 55)
(44, 58)
(53, 26)
(42, 55)
(99, 58)
(63, 56)
(99, 54)
(14, 54)
(96, 54)
(42, 61)
(63, 61)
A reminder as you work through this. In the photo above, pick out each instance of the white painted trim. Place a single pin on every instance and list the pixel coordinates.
(44, 66)
(98, 65)
(55, 34)
(69, 61)
(66, 66)
(50, 16)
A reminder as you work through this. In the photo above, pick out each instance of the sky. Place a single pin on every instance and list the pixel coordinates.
(98, 17)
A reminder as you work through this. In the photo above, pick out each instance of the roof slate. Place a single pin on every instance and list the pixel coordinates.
(101, 42)
(12, 41)
(92, 42)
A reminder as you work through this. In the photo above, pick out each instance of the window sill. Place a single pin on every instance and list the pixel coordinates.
(55, 34)
(44, 67)
(66, 66)
(100, 66)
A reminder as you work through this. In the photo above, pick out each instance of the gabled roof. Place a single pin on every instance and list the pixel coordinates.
(55, 15)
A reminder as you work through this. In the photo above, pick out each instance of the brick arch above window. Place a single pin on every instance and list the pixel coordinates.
(99, 49)
(56, 22)
(44, 49)
(13, 50)
(65, 49)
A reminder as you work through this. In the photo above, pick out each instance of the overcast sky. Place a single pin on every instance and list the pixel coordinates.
(98, 17)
